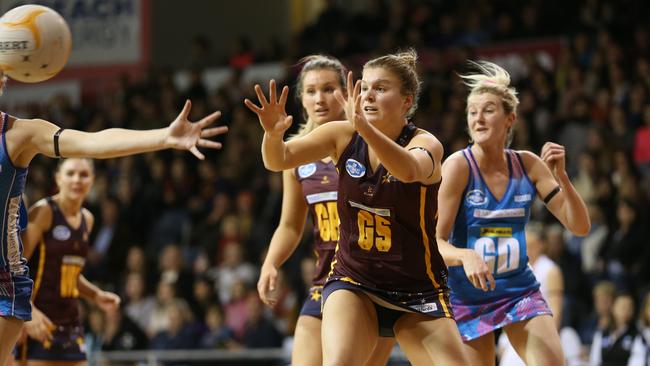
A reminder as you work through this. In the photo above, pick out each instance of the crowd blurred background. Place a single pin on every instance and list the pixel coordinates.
(181, 240)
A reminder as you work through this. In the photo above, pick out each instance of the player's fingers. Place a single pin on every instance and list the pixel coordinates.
(260, 96)
(272, 281)
(283, 96)
(208, 120)
(272, 92)
(186, 110)
(350, 84)
(211, 132)
(357, 89)
(197, 153)
(287, 121)
(254, 108)
(209, 144)
(481, 281)
(491, 281)
(340, 98)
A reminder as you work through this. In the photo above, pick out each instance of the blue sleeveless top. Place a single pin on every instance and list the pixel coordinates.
(496, 230)
(12, 184)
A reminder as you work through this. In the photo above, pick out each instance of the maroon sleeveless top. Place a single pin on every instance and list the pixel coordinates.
(56, 265)
(319, 183)
(388, 237)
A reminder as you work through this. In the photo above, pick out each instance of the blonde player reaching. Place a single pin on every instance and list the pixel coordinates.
(312, 188)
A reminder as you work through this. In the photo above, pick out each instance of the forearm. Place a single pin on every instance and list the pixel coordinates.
(574, 209)
(452, 255)
(273, 152)
(87, 290)
(111, 143)
(284, 242)
(398, 161)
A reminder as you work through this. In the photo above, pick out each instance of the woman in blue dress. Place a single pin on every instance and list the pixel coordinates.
(484, 203)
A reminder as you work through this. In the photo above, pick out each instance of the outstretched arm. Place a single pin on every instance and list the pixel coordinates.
(326, 140)
(548, 173)
(454, 180)
(31, 137)
(285, 238)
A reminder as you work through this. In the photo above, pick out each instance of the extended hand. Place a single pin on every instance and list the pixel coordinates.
(352, 105)
(185, 135)
(554, 156)
(266, 285)
(271, 113)
(477, 271)
(107, 301)
(40, 327)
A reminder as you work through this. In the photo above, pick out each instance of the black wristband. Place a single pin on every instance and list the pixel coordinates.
(552, 194)
(57, 134)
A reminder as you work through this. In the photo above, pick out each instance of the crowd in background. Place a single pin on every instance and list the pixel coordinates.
(181, 240)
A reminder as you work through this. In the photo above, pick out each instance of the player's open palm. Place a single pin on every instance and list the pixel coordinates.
(271, 113)
(185, 135)
(352, 104)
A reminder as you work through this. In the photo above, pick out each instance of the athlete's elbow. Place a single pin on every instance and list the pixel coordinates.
(582, 230)
(274, 167)
(409, 176)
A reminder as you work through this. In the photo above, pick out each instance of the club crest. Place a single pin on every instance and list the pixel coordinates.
(306, 170)
(354, 168)
(476, 197)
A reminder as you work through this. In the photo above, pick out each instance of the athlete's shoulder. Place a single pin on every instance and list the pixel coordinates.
(40, 214)
(42, 205)
(527, 157)
(456, 163)
(89, 217)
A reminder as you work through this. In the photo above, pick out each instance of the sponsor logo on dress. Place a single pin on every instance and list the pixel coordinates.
(425, 308)
(306, 170)
(354, 168)
(496, 231)
(497, 214)
(522, 198)
(61, 233)
(322, 197)
(476, 197)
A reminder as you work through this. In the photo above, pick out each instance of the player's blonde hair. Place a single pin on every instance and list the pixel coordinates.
(404, 65)
(311, 63)
(492, 78)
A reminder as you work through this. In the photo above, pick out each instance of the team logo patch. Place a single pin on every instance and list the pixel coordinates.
(306, 170)
(61, 233)
(354, 168)
(476, 197)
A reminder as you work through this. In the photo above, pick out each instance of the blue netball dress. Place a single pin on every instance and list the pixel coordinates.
(15, 284)
(496, 230)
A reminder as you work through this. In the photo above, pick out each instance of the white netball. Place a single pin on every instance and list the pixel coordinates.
(35, 43)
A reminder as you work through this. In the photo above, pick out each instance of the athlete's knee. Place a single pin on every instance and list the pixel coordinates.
(333, 358)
